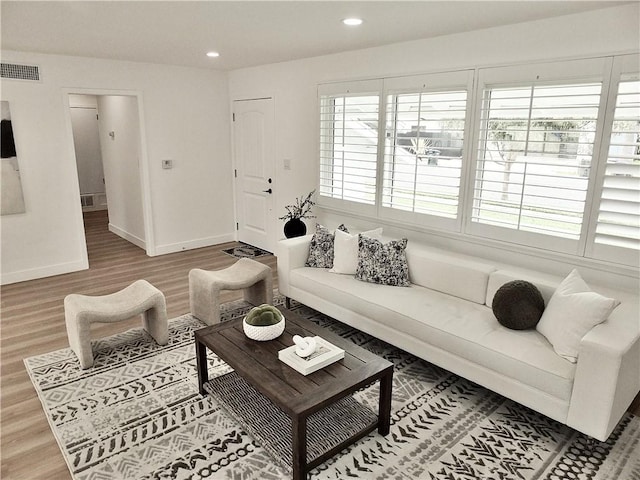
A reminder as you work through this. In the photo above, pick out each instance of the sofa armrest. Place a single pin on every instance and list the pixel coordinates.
(292, 253)
(607, 374)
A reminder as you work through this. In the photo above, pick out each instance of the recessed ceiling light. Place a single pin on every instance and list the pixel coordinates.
(213, 54)
(352, 22)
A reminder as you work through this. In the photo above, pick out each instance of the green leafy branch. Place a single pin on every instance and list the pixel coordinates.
(301, 209)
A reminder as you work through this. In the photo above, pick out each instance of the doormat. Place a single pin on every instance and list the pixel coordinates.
(245, 251)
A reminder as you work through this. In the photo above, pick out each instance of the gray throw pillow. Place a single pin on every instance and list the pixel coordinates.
(383, 263)
(321, 247)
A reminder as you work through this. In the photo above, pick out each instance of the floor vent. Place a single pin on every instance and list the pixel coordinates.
(86, 200)
(20, 72)
(93, 201)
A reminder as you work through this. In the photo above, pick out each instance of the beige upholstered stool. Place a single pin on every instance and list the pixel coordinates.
(80, 311)
(246, 274)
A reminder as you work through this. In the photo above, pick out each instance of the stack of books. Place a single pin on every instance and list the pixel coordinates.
(326, 353)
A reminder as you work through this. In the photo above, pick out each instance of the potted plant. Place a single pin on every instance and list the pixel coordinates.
(294, 226)
(264, 322)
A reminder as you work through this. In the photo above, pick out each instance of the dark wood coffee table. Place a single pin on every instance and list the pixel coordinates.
(295, 394)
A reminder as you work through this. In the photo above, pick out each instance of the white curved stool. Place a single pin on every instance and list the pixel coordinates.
(205, 285)
(80, 311)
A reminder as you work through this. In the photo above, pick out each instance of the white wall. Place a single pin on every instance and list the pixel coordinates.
(294, 86)
(185, 114)
(121, 156)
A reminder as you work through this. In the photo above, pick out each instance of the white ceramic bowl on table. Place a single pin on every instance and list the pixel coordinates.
(263, 333)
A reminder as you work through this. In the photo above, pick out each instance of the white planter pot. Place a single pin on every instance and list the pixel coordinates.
(263, 333)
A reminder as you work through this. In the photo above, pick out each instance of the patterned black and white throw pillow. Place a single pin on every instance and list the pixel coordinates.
(321, 247)
(383, 263)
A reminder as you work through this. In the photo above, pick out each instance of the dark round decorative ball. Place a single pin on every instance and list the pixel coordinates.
(518, 305)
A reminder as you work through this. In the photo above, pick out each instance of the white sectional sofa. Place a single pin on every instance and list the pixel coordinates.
(445, 317)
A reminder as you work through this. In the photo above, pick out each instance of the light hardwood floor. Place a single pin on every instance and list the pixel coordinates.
(32, 322)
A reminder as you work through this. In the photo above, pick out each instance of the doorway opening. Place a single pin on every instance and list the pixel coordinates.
(86, 141)
(106, 137)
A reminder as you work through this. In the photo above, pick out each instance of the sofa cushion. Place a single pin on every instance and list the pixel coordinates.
(456, 275)
(546, 284)
(466, 329)
(383, 263)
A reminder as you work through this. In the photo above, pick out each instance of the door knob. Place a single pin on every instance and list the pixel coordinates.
(268, 191)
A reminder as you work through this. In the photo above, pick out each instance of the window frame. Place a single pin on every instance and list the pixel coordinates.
(348, 89)
(628, 65)
(429, 83)
(549, 73)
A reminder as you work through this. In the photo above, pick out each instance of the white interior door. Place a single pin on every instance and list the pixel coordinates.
(86, 140)
(254, 130)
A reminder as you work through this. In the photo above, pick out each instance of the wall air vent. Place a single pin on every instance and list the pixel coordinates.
(20, 72)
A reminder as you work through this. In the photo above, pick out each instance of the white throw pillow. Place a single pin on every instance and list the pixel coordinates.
(345, 250)
(572, 311)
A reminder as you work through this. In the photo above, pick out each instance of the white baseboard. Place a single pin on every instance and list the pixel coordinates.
(191, 244)
(128, 236)
(41, 272)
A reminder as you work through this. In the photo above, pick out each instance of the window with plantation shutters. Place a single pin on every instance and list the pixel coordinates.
(423, 152)
(539, 157)
(534, 158)
(349, 146)
(618, 222)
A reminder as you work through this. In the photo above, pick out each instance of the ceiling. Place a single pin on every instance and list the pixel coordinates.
(249, 33)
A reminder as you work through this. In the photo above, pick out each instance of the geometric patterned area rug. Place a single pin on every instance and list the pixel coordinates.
(265, 423)
(137, 414)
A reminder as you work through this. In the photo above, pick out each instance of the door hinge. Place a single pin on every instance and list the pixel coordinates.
(234, 116)
(235, 173)
(237, 226)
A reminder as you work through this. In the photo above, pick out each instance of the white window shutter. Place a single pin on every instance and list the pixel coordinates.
(423, 152)
(618, 221)
(534, 157)
(349, 146)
